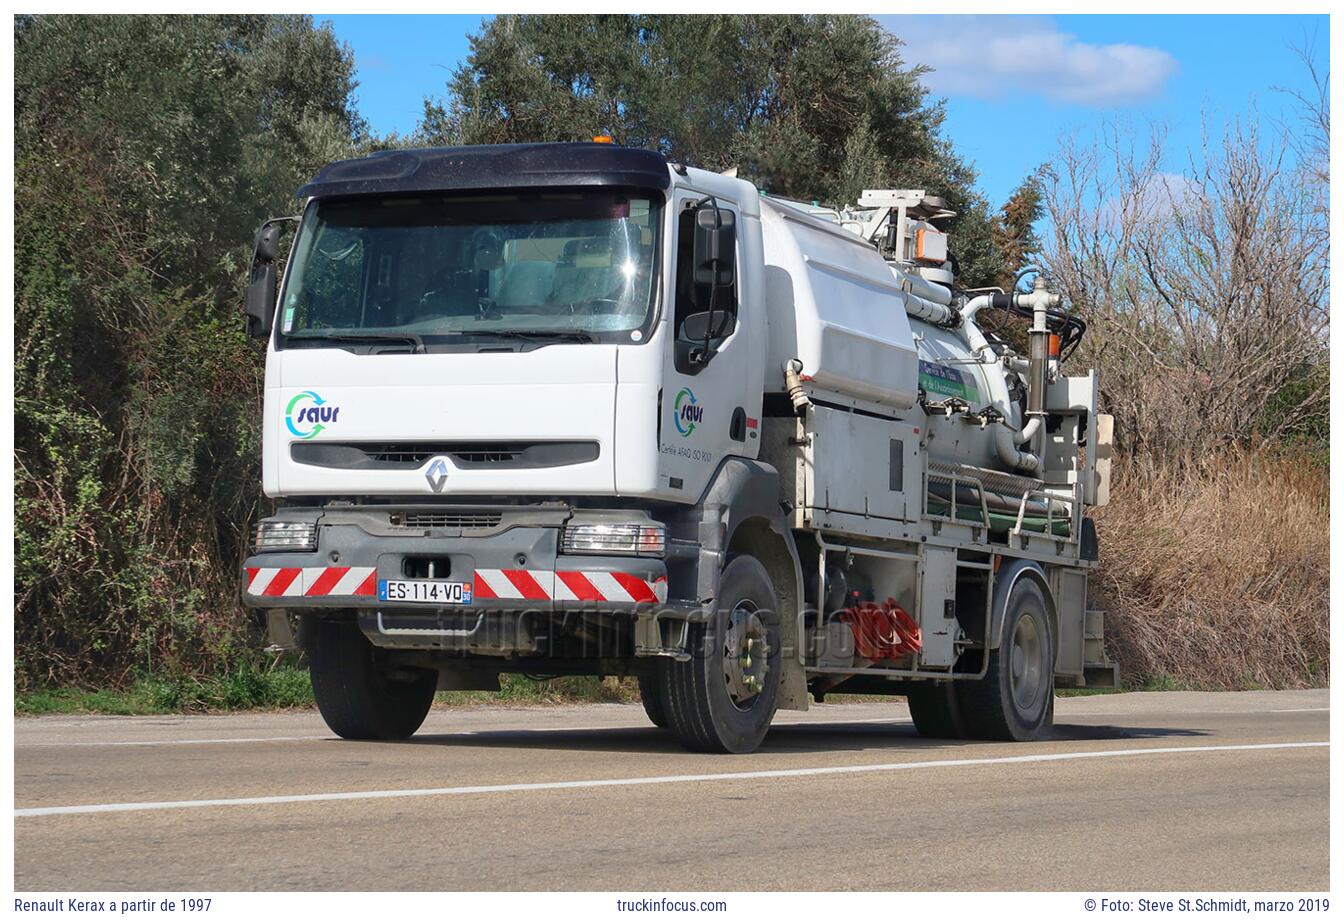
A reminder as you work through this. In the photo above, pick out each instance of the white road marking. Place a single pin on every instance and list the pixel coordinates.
(33, 744)
(648, 780)
(1093, 713)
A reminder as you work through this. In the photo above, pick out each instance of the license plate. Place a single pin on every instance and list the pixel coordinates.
(424, 592)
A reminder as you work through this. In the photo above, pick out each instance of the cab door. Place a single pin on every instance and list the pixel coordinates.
(705, 413)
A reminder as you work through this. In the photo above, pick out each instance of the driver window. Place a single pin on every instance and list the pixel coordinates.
(692, 297)
(337, 265)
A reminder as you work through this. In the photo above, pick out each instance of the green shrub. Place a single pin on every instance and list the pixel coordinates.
(138, 396)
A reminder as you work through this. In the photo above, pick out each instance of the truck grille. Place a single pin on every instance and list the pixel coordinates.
(416, 454)
(400, 455)
(457, 520)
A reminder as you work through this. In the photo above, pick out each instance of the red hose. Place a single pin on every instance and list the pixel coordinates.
(884, 631)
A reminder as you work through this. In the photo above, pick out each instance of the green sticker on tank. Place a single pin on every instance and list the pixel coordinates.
(939, 380)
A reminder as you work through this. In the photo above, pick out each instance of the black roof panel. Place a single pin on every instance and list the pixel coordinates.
(489, 167)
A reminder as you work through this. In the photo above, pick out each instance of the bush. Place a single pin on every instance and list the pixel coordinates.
(1215, 574)
(147, 148)
(285, 686)
(245, 686)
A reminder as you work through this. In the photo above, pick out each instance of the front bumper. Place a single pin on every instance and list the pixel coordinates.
(514, 565)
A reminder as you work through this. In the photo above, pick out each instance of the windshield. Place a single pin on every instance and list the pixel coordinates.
(458, 269)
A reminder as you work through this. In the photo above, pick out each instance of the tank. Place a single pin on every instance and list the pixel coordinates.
(863, 300)
(947, 367)
(833, 303)
(859, 326)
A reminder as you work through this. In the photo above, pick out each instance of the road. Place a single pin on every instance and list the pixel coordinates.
(1149, 791)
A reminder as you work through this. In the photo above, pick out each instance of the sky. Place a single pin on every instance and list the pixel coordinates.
(1013, 85)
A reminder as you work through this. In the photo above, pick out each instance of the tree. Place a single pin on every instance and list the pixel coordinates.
(813, 107)
(1206, 293)
(1015, 228)
(147, 148)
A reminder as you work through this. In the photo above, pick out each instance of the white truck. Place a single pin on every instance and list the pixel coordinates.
(561, 409)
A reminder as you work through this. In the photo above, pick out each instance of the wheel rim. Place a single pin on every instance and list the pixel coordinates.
(745, 655)
(1027, 675)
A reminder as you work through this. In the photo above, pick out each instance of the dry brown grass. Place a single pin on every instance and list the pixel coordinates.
(1216, 574)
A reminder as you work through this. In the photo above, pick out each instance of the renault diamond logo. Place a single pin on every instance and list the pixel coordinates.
(437, 474)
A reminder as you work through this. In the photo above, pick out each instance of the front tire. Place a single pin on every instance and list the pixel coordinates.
(649, 695)
(723, 699)
(1015, 699)
(359, 695)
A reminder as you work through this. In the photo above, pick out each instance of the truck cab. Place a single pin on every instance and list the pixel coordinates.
(493, 376)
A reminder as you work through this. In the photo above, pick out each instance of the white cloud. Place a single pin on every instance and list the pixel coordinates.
(993, 56)
(1155, 196)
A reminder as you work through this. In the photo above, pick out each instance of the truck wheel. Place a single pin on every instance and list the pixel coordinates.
(359, 696)
(1014, 701)
(654, 707)
(723, 698)
(935, 711)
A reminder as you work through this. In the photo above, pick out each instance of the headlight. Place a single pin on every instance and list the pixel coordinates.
(293, 536)
(618, 539)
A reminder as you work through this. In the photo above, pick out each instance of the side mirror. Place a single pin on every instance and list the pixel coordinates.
(715, 246)
(261, 300)
(267, 244)
(261, 286)
(707, 326)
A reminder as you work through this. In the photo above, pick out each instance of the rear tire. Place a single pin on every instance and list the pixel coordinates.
(359, 696)
(649, 695)
(723, 699)
(1015, 700)
(936, 712)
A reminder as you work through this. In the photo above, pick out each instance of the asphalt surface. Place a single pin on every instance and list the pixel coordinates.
(1175, 791)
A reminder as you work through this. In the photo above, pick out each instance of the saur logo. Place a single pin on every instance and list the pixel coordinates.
(308, 415)
(685, 413)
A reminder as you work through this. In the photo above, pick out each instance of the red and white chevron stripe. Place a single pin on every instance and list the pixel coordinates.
(609, 586)
(534, 585)
(321, 581)
(488, 584)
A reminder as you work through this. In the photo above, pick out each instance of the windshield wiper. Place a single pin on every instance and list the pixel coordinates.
(410, 338)
(564, 335)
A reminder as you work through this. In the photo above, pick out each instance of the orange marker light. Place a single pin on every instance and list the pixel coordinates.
(602, 139)
(1054, 345)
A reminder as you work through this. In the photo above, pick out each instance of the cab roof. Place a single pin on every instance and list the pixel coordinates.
(497, 166)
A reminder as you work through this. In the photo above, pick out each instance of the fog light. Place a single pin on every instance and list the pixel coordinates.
(618, 539)
(282, 536)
